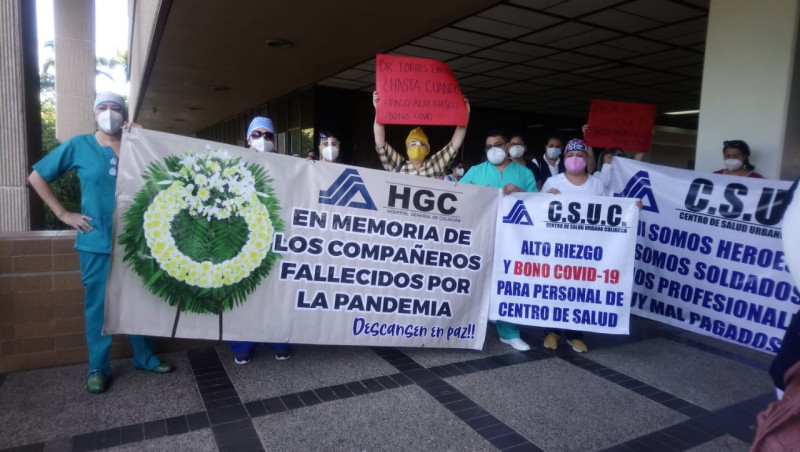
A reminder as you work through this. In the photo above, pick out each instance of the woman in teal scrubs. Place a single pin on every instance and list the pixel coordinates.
(95, 157)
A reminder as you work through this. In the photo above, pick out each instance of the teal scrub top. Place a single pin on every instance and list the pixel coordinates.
(98, 186)
(487, 174)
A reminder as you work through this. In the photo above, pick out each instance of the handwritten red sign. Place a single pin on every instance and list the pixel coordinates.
(623, 125)
(417, 91)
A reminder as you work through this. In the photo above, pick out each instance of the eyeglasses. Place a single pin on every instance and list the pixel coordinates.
(418, 143)
(489, 146)
(258, 134)
(114, 162)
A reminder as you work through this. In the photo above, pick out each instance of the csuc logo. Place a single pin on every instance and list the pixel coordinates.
(346, 191)
(518, 215)
(639, 186)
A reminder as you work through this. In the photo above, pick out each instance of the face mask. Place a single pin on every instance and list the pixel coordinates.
(417, 153)
(262, 145)
(330, 153)
(109, 121)
(459, 172)
(575, 164)
(553, 152)
(496, 155)
(732, 164)
(516, 151)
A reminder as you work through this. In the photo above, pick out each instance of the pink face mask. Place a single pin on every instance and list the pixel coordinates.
(575, 164)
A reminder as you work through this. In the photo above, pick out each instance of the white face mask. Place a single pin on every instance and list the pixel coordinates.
(330, 153)
(109, 121)
(732, 164)
(459, 172)
(496, 155)
(553, 152)
(516, 151)
(262, 145)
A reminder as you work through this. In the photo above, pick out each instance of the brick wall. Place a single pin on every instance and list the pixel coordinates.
(41, 304)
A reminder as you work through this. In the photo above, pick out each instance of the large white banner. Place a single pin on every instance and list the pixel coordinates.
(708, 255)
(564, 262)
(218, 242)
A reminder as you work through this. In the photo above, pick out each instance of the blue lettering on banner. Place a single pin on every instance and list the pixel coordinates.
(344, 189)
(735, 333)
(361, 326)
(518, 215)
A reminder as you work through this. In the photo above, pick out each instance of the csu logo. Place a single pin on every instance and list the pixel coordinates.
(518, 215)
(346, 191)
(639, 186)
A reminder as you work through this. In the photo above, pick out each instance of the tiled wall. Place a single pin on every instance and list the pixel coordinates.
(41, 303)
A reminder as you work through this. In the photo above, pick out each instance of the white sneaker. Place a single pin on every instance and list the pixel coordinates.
(517, 343)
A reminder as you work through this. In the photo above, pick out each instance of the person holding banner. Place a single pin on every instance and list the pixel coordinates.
(550, 163)
(261, 135)
(778, 427)
(455, 173)
(578, 182)
(260, 138)
(500, 172)
(95, 156)
(417, 149)
(516, 149)
(328, 147)
(736, 157)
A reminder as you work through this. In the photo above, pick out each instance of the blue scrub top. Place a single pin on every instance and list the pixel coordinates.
(488, 174)
(98, 186)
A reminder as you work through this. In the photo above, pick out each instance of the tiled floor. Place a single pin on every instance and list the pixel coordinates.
(659, 389)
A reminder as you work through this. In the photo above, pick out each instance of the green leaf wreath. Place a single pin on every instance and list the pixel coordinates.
(199, 231)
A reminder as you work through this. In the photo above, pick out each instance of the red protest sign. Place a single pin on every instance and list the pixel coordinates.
(623, 125)
(417, 91)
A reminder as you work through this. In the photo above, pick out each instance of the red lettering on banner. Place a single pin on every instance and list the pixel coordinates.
(417, 91)
(623, 125)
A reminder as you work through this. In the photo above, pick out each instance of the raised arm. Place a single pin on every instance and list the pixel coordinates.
(591, 162)
(72, 219)
(378, 129)
(460, 133)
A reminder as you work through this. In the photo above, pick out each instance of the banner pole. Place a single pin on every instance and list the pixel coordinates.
(177, 316)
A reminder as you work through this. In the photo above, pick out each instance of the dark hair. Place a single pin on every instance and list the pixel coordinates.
(742, 146)
(454, 164)
(554, 137)
(326, 134)
(516, 133)
(497, 133)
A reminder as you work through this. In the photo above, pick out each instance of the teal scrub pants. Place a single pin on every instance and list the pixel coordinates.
(507, 330)
(94, 273)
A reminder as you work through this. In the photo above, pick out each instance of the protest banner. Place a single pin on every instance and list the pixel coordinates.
(708, 255)
(418, 91)
(213, 241)
(623, 125)
(564, 262)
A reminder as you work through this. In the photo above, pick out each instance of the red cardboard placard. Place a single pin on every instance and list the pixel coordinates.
(417, 91)
(623, 125)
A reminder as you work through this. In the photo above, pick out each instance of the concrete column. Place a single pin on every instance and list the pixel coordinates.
(751, 84)
(75, 67)
(20, 121)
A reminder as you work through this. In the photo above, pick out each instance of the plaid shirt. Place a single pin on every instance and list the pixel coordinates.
(434, 166)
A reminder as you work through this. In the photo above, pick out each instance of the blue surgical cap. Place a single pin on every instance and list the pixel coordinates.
(110, 98)
(259, 121)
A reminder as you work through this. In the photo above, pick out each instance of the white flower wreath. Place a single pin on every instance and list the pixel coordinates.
(191, 189)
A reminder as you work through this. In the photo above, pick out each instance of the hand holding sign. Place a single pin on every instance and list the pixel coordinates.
(417, 91)
(623, 125)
